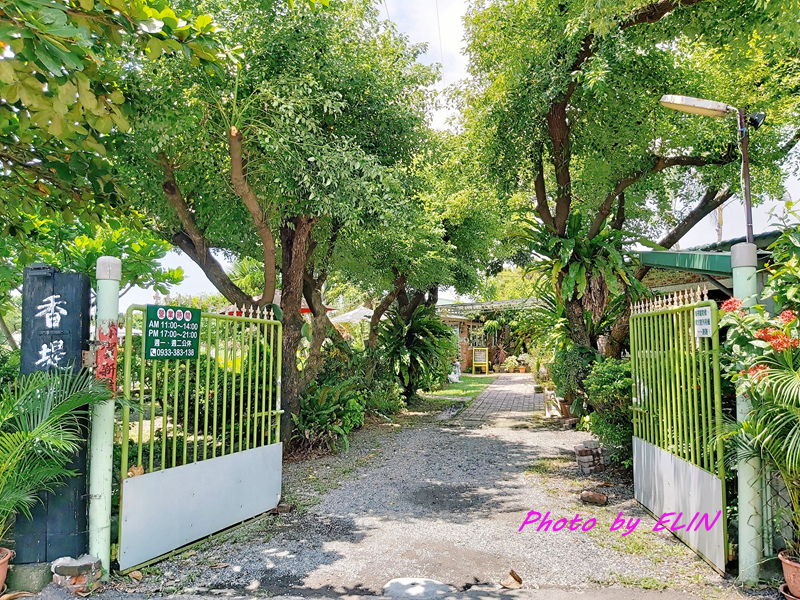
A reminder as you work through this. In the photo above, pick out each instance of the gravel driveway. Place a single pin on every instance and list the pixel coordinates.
(444, 501)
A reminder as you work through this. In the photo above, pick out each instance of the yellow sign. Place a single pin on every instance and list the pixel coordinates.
(480, 358)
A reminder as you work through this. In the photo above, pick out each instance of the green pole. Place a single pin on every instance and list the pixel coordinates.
(109, 271)
(745, 286)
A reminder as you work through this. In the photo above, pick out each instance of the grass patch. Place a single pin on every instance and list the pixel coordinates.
(645, 583)
(548, 465)
(468, 388)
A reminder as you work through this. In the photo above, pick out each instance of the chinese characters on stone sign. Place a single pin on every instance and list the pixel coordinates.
(51, 309)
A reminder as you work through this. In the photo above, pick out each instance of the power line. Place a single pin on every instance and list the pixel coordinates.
(441, 52)
(388, 18)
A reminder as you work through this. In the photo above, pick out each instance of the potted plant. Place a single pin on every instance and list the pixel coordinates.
(524, 362)
(39, 434)
(764, 362)
(511, 364)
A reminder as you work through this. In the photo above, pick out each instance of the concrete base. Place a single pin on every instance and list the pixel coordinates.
(33, 577)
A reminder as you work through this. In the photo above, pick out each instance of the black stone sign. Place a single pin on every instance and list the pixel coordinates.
(55, 330)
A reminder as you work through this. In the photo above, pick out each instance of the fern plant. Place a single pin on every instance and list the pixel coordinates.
(39, 434)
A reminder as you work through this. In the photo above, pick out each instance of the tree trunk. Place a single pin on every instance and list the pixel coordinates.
(7, 333)
(321, 328)
(578, 331)
(295, 236)
(383, 306)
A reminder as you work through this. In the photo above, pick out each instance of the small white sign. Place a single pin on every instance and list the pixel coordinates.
(702, 322)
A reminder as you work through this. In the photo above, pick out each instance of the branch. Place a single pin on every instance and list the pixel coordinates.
(710, 201)
(541, 196)
(193, 240)
(212, 269)
(619, 219)
(661, 163)
(789, 145)
(243, 189)
(651, 13)
(7, 334)
(383, 306)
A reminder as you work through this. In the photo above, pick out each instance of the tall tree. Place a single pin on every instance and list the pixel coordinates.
(305, 137)
(565, 109)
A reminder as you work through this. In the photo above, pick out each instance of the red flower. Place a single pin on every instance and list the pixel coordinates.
(731, 305)
(767, 334)
(758, 372)
(787, 316)
(782, 342)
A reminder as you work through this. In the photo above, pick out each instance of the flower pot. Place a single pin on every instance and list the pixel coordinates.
(5, 556)
(791, 572)
(523, 369)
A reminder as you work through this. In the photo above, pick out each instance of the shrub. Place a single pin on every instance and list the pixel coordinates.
(9, 366)
(610, 394)
(571, 367)
(511, 363)
(328, 413)
(524, 360)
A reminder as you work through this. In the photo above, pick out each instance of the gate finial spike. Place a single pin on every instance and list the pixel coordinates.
(705, 291)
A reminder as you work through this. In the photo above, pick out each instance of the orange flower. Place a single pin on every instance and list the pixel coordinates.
(787, 316)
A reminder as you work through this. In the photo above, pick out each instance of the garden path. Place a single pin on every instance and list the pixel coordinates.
(511, 396)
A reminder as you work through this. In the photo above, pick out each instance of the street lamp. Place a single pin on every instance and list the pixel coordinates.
(710, 108)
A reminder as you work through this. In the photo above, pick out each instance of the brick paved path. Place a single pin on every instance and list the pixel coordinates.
(509, 397)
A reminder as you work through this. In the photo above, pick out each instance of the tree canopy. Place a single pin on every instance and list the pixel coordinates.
(564, 110)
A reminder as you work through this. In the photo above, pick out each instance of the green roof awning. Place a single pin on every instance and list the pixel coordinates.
(708, 263)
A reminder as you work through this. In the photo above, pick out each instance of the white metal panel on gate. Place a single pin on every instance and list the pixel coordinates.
(165, 510)
(665, 483)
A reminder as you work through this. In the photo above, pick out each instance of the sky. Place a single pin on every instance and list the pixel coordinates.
(438, 23)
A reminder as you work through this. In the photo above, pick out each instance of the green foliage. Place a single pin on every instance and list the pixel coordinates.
(609, 386)
(39, 434)
(571, 366)
(328, 413)
(9, 366)
(421, 351)
(511, 363)
(784, 270)
(61, 108)
(609, 389)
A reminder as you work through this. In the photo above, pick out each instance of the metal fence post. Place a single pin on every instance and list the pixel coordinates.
(109, 273)
(745, 286)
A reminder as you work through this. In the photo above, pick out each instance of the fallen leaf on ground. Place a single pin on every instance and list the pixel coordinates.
(137, 575)
(605, 484)
(219, 566)
(14, 595)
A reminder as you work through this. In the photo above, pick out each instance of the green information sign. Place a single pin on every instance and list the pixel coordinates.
(171, 332)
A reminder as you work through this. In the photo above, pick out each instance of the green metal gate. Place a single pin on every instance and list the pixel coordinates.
(222, 406)
(677, 407)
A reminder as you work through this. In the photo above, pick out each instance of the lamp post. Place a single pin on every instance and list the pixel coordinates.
(711, 108)
(743, 264)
